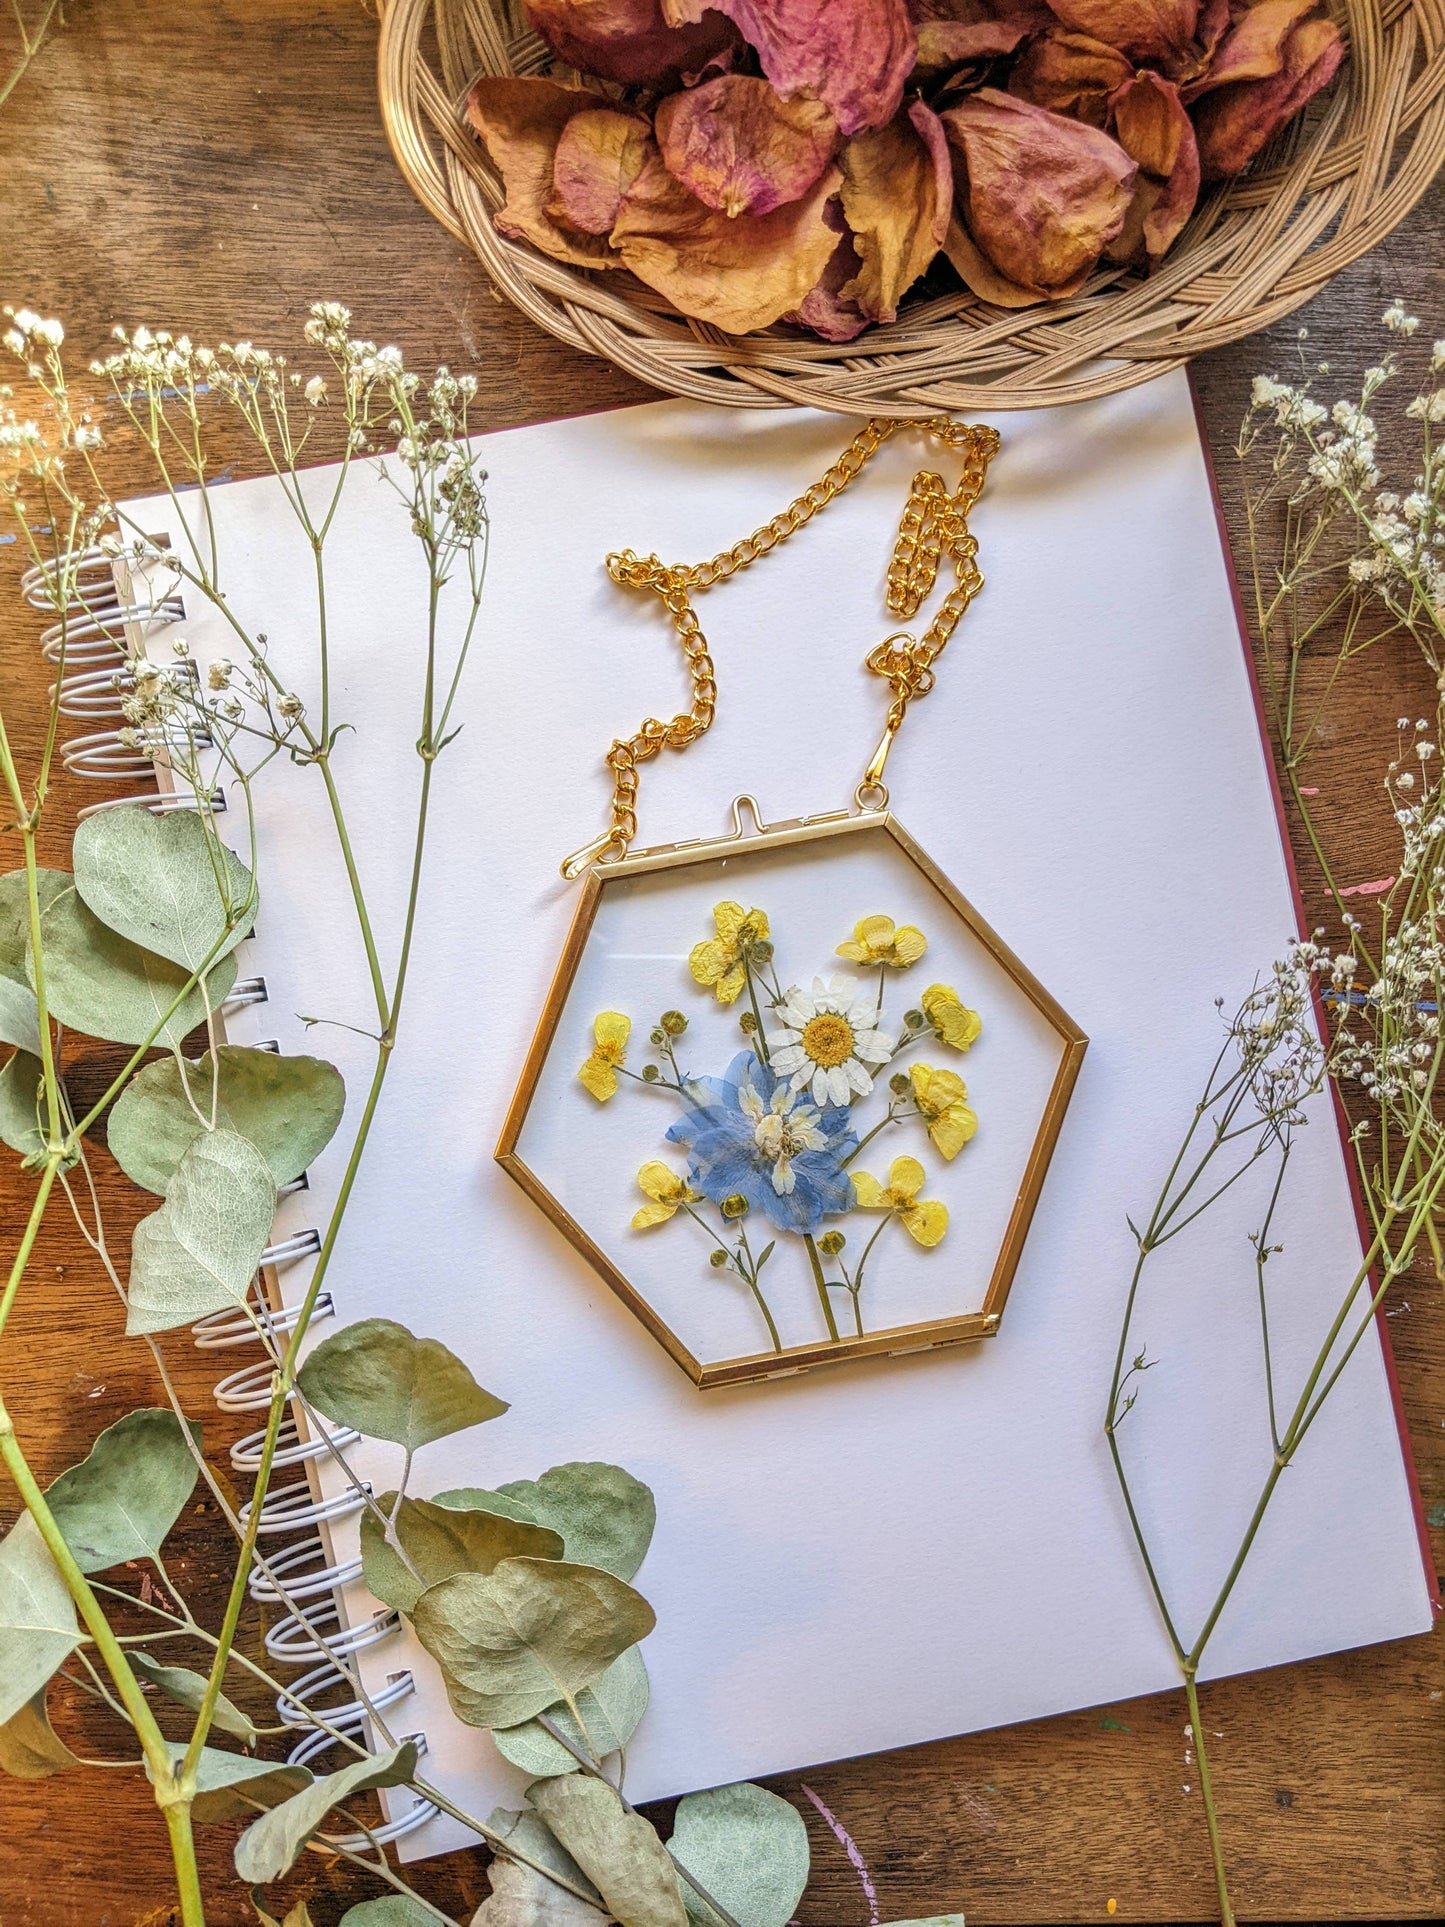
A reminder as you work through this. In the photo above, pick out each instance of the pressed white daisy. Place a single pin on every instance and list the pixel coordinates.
(831, 1040)
(783, 1128)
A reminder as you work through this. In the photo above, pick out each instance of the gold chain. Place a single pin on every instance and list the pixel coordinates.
(934, 524)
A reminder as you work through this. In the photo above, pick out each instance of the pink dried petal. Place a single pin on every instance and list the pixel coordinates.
(897, 199)
(740, 148)
(599, 155)
(854, 55)
(949, 43)
(1143, 29)
(738, 274)
(521, 123)
(627, 40)
(1068, 73)
(824, 310)
(1233, 123)
(1042, 196)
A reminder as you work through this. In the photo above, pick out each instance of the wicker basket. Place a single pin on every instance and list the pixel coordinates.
(1327, 189)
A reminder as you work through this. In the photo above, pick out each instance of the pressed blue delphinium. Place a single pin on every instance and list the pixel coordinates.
(749, 1135)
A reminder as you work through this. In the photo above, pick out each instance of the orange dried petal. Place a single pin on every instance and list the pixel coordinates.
(897, 199)
(521, 122)
(1143, 29)
(627, 40)
(1042, 196)
(1153, 127)
(740, 148)
(1234, 122)
(600, 153)
(738, 274)
(854, 55)
(1254, 47)
(1069, 73)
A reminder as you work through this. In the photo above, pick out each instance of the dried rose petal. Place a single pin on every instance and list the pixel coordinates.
(1234, 122)
(627, 40)
(1153, 127)
(740, 148)
(824, 309)
(949, 43)
(1070, 74)
(1143, 29)
(1254, 48)
(854, 55)
(897, 199)
(599, 155)
(739, 274)
(1035, 13)
(1041, 196)
(521, 123)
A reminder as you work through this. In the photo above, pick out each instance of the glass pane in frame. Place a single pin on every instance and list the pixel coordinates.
(748, 1164)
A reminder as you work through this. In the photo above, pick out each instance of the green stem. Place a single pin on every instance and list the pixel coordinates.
(762, 1042)
(822, 1285)
(1211, 1817)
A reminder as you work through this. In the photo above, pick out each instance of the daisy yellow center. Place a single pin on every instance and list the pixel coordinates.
(828, 1039)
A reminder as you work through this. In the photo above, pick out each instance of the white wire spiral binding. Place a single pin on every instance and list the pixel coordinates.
(92, 636)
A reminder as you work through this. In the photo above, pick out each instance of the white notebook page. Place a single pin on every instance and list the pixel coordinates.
(886, 1552)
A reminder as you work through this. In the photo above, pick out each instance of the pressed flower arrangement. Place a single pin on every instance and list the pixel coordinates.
(775, 1134)
(983, 197)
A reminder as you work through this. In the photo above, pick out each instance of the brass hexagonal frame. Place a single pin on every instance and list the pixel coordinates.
(893, 1342)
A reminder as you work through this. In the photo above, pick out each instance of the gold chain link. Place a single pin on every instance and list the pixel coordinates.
(934, 524)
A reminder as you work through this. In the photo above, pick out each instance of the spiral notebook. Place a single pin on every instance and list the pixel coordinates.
(892, 1550)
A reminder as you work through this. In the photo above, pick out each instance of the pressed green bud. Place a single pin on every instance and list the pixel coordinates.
(899, 1084)
(673, 1022)
(747, 1023)
(832, 1242)
(650, 1073)
(762, 953)
(736, 1206)
(657, 1036)
(718, 1259)
(914, 1019)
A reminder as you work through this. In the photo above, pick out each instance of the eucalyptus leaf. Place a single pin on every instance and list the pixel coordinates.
(126, 1494)
(98, 982)
(390, 1910)
(604, 1515)
(522, 1897)
(230, 1786)
(476, 1498)
(199, 1252)
(270, 1845)
(748, 1848)
(619, 1851)
(19, 1016)
(288, 1107)
(610, 1713)
(299, 1916)
(186, 1688)
(440, 1540)
(164, 879)
(381, 1379)
(15, 916)
(512, 1643)
(38, 1627)
(29, 1747)
(20, 1082)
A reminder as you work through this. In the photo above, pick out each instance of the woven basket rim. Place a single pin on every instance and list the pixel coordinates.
(1254, 250)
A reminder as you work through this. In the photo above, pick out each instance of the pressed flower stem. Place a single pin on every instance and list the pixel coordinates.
(1211, 1816)
(822, 1284)
(751, 1274)
(762, 1042)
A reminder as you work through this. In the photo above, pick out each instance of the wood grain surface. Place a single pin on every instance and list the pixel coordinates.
(215, 168)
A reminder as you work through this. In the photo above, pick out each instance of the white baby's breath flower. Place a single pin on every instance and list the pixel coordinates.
(1398, 321)
(316, 391)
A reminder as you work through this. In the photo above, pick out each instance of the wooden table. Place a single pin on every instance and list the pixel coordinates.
(215, 169)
